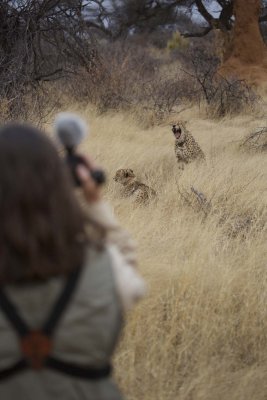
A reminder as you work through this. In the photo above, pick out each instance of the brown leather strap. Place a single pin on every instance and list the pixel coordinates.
(36, 347)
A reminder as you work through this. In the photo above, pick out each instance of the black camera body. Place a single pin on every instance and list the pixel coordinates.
(73, 161)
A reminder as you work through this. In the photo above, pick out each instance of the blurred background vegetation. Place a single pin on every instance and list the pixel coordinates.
(117, 55)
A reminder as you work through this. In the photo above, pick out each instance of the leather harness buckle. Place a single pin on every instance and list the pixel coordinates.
(36, 347)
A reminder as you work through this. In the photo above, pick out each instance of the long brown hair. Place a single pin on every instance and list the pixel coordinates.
(42, 226)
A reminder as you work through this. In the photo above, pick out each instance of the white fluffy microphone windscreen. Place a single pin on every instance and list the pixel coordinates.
(70, 129)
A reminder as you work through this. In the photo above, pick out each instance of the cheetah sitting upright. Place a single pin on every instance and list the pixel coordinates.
(140, 192)
(186, 147)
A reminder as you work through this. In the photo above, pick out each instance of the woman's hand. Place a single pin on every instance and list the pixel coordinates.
(91, 190)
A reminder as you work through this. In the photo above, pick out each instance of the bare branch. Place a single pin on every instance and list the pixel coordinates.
(48, 76)
(204, 12)
(202, 33)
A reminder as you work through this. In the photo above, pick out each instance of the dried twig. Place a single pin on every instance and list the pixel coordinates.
(202, 200)
(198, 202)
(256, 140)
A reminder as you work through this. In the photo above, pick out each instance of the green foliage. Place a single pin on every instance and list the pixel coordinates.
(177, 42)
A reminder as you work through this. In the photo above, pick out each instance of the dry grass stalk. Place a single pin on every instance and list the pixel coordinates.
(201, 332)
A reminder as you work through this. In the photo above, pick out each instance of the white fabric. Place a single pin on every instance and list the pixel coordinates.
(130, 285)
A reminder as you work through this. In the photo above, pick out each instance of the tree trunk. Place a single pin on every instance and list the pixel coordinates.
(247, 55)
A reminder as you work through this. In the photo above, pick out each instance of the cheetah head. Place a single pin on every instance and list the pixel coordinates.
(178, 130)
(124, 176)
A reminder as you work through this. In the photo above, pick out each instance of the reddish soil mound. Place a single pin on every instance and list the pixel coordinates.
(248, 53)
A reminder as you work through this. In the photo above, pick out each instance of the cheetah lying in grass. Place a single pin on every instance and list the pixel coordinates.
(140, 192)
(186, 147)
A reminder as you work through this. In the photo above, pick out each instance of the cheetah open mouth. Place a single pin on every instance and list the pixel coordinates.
(176, 131)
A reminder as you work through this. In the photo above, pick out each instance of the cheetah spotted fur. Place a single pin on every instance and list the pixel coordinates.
(140, 192)
(186, 147)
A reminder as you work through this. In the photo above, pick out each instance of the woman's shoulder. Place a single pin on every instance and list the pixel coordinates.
(109, 261)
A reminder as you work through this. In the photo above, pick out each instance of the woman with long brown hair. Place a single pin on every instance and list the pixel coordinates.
(66, 276)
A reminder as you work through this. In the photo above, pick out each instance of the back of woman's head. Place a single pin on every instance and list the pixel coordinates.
(42, 226)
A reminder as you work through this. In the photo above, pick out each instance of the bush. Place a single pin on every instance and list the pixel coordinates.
(229, 97)
(256, 140)
(118, 76)
(177, 42)
(130, 78)
(222, 96)
(28, 103)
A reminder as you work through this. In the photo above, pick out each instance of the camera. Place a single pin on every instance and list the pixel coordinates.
(71, 130)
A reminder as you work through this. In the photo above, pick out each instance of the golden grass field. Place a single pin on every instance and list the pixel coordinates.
(201, 332)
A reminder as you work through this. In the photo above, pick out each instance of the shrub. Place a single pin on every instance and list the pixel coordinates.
(256, 141)
(222, 96)
(130, 78)
(177, 42)
(119, 75)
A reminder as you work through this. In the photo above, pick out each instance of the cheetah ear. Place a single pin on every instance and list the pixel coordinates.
(131, 171)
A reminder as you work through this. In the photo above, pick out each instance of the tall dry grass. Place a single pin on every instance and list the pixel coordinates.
(201, 333)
